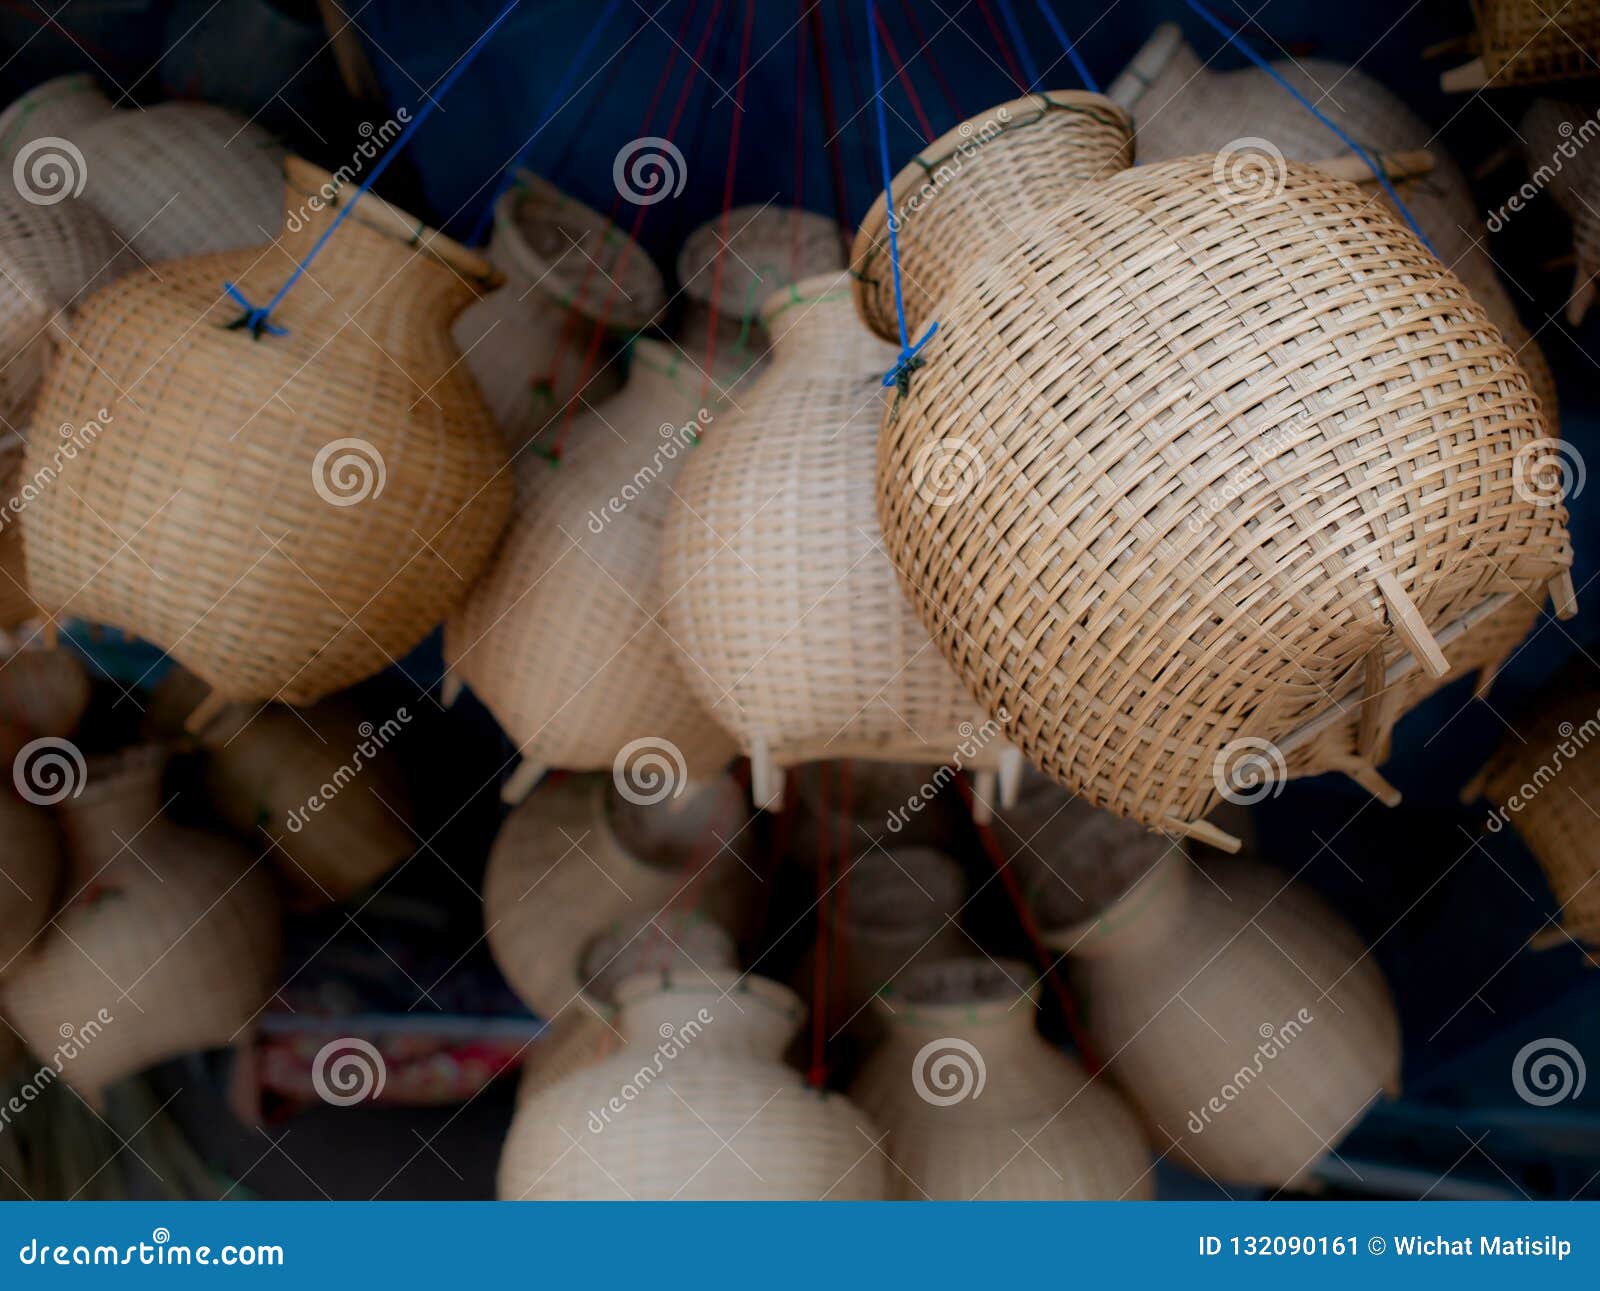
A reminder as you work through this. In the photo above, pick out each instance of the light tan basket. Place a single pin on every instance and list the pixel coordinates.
(742, 349)
(43, 693)
(1245, 1020)
(1529, 42)
(774, 579)
(548, 242)
(294, 513)
(1183, 457)
(530, 360)
(1181, 106)
(174, 933)
(977, 1107)
(1556, 137)
(761, 248)
(698, 1106)
(55, 109)
(187, 179)
(561, 638)
(30, 877)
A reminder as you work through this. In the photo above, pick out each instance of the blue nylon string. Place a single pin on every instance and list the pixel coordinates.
(1009, 15)
(1239, 43)
(908, 352)
(1070, 45)
(256, 319)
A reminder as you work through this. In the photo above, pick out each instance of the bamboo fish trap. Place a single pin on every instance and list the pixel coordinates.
(55, 109)
(1557, 134)
(1529, 42)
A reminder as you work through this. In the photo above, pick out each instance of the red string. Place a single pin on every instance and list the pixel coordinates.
(830, 125)
(925, 50)
(841, 889)
(905, 79)
(1005, 48)
(727, 190)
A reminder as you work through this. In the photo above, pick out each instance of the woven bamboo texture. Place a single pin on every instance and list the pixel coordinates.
(1011, 1118)
(1179, 461)
(549, 242)
(1182, 107)
(185, 179)
(686, 1090)
(1557, 135)
(294, 513)
(530, 360)
(1552, 774)
(982, 181)
(1193, 989)
(545, 905)
(562, 637)
(58, 108)
(173, 932)
(775, 581)
(761, 248)
(1529, 42)
(30, 867)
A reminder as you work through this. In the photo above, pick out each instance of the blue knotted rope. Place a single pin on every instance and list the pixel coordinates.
(909, 360)
(1070, 46)
(1239, 43)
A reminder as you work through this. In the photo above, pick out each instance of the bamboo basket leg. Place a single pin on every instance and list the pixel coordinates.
(1203, 831)
(450, 689)
(206, 710)
(985, 785)
(516, 787)
(1563, 595)
(1369, 778)
(1410, 627)
(766, 780)
(1466, 78)
(1011, 767)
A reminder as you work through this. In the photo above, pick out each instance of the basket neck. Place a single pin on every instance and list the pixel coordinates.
(1140, 921)
(991, 1004)
(109, 821)
(814, 320)
(709, 1013)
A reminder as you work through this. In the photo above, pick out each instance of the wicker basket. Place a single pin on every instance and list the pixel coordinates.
(186, 179)
(529, 359)
(979, 1108)
(1183, 107)
(30, 859)
(294, 513)
(548, 242)
(172, 932)
(658, 1121)
(55, 109)
(1247, 1023)
(1529, 42)
(774, 581)
(743, 347)
(1549, 131)
(1146, 541)
(761, 248)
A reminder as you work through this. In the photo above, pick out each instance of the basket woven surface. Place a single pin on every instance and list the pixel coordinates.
(761, 248)
(1525, 42)
(57, 108)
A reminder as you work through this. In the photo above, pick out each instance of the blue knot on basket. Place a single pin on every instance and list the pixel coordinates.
(253, 319)
(909, 361)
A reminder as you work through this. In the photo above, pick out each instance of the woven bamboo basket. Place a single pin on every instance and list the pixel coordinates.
(1556, 135)
(1182, 107)
(562, 638)
(51, 255)
(1245, 1020)
(742, 347)
(293, 513)
(30, 863)
(172, 932)
(773, 578)
(1147, 540)
(55, 109)
(978, 1107)
(1529, 42)
(760, 249)
(319, 785)
(701, 1065)
(545, 906)
(187, 179)
(1540, 782)
(548, 242)
(529, 359)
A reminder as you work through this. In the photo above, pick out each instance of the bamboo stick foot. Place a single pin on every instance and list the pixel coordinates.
(1369, 778)
(1466, 78)
(520, 781)
(985, 785)
(1410, 627)
(1011, 765)
(766, 780)
(450, 689)
(1203, 831)
(1563, 595)
(205, 712)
